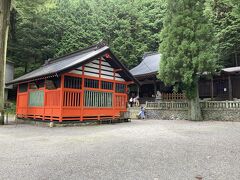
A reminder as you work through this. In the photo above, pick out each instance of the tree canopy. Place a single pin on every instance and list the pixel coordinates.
(45, 29)
(187, 47)
(225, 18)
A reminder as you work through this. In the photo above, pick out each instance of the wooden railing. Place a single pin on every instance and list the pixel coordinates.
(71, 98)
(185, 105)
(120, 101)
(173, 96)
(167, 105)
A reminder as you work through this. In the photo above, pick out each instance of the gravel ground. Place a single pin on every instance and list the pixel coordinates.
(142, 149)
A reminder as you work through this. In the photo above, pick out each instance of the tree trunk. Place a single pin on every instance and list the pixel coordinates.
(4, 24)
(236, 58)
(195, 113)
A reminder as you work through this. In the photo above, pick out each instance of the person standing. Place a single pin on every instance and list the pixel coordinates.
(141, 114)
(131, 102)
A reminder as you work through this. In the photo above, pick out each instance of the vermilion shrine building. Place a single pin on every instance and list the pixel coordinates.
(90, 84)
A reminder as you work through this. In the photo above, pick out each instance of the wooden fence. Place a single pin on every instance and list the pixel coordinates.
(173, 96)
(185, 105)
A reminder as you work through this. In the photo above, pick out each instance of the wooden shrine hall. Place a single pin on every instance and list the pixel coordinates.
(146, 73)
(225, 85)
(89, 84)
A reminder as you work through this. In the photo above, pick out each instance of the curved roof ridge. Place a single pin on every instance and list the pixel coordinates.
(146, 54)
(149, 65)
(75, 53)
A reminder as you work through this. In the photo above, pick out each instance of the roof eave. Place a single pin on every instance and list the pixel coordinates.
(147, 74)
(67, 69)
(128, 73)
(31, 79)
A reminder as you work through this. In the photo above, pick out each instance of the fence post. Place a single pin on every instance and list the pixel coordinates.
(226, 104)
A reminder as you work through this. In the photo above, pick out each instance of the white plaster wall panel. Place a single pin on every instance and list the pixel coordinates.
(91, 74)
(119, 79)
(107, 77)
(92, 65)
(106, 68)
(91, 70)
(107, 73)
(106, 64)
(76, 72)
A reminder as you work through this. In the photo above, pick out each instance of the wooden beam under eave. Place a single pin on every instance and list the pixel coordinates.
(130, 82)
(117, 70)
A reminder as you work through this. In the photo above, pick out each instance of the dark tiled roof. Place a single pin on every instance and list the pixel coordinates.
(68, 62)
(149, 65)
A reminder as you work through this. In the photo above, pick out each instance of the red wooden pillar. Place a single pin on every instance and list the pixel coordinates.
(100, 82)
(82, 95)
(27, 99)
(114, 93)
(17, 101)
(44, 99)
(61, 98)
(126, 95)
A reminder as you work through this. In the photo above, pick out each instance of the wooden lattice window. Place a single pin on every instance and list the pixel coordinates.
(107, 85)
(23, 87)
(36, 84)
(33, 85)
(98, 99)
(91, 83)
(72, 82)
(40, 83)
(120, 88)
(53, 83)
(36, 98)
(71, 99)
(120, 101)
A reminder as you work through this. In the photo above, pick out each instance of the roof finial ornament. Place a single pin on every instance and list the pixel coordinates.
(47, 61)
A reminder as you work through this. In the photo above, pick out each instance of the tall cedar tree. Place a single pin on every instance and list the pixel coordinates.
(187, 49)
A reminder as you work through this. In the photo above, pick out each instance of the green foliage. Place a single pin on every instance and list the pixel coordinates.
(28, 45)
(225, 16)
(10, 107)
(45, 29)
(187, 45)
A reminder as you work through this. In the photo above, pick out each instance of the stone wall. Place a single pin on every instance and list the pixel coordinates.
(211, 110)
(221, 114)
(208, 114)
(134, 111)
(170, 114)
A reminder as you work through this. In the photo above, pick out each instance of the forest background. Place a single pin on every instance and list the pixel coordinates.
(44, 29)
